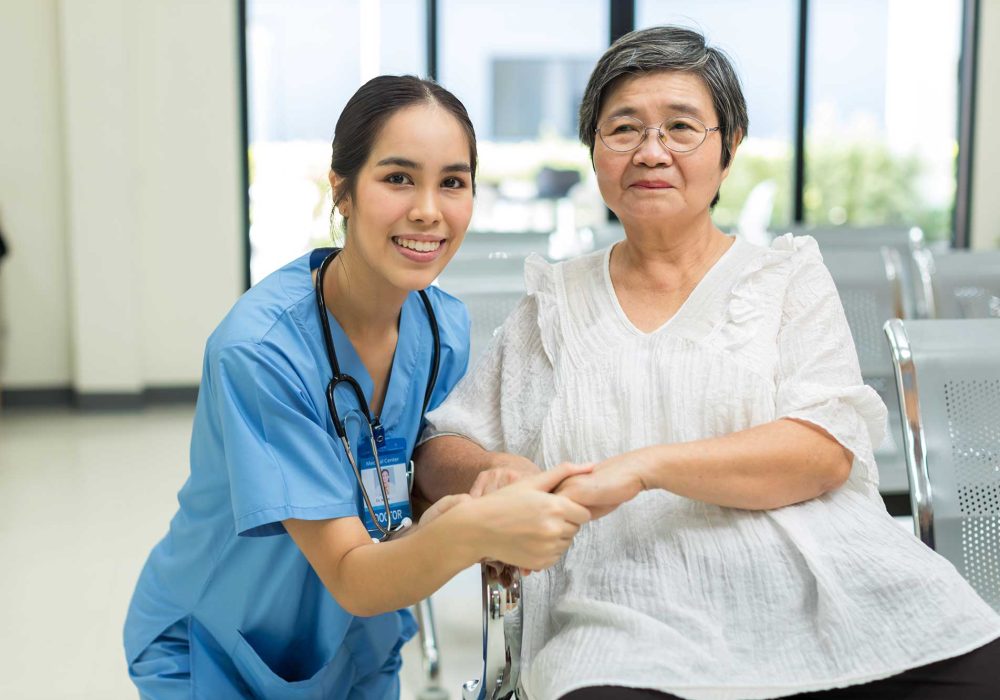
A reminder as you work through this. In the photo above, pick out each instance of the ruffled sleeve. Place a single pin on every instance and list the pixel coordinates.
(539, 280)
(501, 403)
(818, 378)
(472, 409)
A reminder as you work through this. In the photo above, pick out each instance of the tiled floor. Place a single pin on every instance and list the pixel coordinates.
(83, 497)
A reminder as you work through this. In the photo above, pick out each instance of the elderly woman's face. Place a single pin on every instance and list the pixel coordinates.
(652, 182)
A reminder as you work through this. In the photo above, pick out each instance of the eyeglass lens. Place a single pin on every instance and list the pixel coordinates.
(678, 133)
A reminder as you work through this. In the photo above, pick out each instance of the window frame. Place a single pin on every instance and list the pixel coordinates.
(621, 14)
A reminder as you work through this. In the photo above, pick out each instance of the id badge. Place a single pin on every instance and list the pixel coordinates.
(393, 457)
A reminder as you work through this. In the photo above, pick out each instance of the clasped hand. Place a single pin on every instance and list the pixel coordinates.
(601, 489)
(598, 488)
(611, 483)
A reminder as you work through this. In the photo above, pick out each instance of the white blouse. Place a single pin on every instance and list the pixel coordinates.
(681, 596)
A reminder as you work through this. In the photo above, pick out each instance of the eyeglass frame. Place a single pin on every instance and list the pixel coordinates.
(660, 135)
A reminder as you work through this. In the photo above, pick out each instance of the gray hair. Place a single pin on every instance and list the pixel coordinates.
(669, 49)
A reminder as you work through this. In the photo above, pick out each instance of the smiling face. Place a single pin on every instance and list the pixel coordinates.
(412, 199)
(653, 184)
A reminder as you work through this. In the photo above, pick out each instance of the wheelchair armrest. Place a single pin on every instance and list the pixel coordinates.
(502, 617)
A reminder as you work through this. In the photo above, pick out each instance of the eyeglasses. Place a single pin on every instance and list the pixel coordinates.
(679, 134)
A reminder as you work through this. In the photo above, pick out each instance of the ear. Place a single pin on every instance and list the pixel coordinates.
(737, 140)
(337, 185)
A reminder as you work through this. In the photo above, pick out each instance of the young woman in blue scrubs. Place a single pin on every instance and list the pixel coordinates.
(268, 583)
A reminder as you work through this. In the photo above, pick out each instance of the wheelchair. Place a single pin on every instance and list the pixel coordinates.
(502, 620)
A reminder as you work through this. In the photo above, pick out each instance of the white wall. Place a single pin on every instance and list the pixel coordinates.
(190, 198)
(33, 285)
(100, 129)
(120, 188)
(986, 161)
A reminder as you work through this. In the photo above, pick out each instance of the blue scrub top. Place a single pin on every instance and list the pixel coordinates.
(263, 449)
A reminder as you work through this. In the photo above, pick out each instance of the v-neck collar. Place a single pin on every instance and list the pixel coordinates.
(402, 368)
(702, 289)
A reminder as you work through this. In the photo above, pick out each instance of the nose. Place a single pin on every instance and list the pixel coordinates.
(426, 209)
(652, 152)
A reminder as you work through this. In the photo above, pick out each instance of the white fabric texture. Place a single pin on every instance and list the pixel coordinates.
(677, 595)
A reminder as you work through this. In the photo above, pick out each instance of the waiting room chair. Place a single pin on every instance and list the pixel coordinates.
(514, 244)
(964, 284)
(907, 241)
(490, 287)
(948, 378)
(870, 289)
(553, 183)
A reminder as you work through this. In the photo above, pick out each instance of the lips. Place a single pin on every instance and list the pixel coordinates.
(419, 245)
(419, 248)
(652, 185)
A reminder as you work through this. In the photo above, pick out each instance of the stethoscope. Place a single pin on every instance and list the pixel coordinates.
(376, 433)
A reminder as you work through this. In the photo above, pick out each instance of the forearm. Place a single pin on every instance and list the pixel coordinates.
(397, 574)
(371, 579)
(768, 466)
(524, 525)
(450, 464)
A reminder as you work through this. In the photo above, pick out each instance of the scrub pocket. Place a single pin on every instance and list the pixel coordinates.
(163, 669)
(331, 682)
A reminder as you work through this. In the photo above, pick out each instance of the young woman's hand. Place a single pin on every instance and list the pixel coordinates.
(523, 524)
(443, 505)
(611, 483)
(508, 469)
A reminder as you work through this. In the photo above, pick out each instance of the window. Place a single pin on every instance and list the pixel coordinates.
(759, 37)
(522, 83)
(880, 102)
(882, 113)
(304, 61)
(536, 97)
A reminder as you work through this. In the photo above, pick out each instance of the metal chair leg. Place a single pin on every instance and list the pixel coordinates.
(501, 637)
(432, 690)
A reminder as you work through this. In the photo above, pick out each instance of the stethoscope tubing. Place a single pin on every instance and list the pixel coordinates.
(340, 378)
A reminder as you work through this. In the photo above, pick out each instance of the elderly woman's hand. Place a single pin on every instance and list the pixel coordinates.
(507, 469)
(524, 524)
(612, 483)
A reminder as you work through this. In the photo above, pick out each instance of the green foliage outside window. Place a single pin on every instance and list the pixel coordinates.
(748, 170)
(865, 184)
(857, 184)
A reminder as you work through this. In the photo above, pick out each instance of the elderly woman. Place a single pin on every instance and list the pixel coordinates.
(745, 551)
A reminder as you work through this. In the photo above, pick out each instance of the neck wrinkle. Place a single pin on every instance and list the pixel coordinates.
(666, 258)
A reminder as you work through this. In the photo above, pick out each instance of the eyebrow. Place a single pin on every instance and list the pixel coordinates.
(413, 165)
(674, 107)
